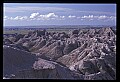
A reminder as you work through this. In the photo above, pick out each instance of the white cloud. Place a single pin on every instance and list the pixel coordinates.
(16, 18)
(101, 17)
(47, 16)
(89, 16)
(11, 18)
(112, 17)
(20, 18)
(33, 15)
(5, 17)
(42, 16)
(71, 16)
(24, 18)
(53, 16)
(62, 16)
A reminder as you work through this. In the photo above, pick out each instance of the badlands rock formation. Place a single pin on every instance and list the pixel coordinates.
(85, 54)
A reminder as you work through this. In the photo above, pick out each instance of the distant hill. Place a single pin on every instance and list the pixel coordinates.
(55, 27)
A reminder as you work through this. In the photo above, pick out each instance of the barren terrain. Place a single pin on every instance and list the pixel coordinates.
(84, 54)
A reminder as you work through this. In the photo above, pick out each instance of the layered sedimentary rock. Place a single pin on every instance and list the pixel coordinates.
(93, 56)
(85, 54)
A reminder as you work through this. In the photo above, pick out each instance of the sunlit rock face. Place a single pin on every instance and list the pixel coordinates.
(85, 54)
(95, 55)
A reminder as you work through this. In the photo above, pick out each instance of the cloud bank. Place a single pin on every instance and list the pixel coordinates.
(53, 16)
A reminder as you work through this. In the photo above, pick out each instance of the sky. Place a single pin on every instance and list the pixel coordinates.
(35, 14)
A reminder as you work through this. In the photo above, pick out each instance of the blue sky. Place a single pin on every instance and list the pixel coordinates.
(31, 14)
